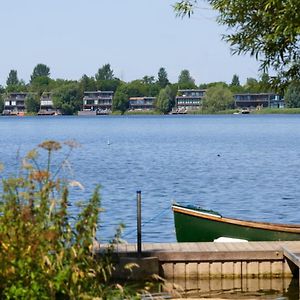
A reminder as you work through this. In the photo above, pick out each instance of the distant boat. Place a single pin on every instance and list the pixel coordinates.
(245, 111)
(194, 224)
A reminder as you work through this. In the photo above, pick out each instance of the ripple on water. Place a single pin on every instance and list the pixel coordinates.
(239, 167)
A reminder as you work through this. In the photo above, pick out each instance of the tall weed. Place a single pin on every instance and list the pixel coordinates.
(43, 253)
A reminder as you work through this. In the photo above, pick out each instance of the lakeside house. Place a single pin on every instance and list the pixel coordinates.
(189, 99)
(14, 103)
(254, 100)
(98, 102)
(142, 103)
(46, 105)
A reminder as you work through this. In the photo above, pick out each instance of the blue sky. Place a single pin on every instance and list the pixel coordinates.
(137, 37)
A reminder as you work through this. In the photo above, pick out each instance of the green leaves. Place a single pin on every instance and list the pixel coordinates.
(269, 30)
(218, 98)
(184, 8)
(43, 255)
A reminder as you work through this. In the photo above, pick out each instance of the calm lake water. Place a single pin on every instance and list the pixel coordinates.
(243, 166)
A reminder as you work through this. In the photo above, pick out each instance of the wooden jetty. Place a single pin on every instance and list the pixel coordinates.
(292, 255)
(214, 260)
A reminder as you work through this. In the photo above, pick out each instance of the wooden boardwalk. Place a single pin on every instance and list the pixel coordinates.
(211, 260)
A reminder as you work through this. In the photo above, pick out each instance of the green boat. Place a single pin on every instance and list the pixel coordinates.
(194, 224)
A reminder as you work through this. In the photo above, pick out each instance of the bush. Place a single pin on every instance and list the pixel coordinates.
(43, 253)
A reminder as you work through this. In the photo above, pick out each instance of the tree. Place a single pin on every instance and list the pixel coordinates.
(87, 83)
(20, 87)
(164, 100)
(235, 85)
(266, 29)
(218, 98)
(40, 70)
(292, 95)
(41, 84)
(120, 101)
(108, 85)
(1, 104)
(162, 80)
(264, 83)
(32, 103)
(12, 78)
(105, 73)
(235, 81)
(252, 85)
(148, 79)
(68, 98)
(185, 80)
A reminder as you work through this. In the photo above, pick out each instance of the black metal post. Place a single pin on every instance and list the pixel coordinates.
(139, 222)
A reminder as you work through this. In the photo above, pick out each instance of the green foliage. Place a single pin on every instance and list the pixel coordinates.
(105, 73)
(108, 85)
(1, 103)
(212, 84)
(266, 29)
(292, 95)
(12, 78)
(185, 80)
(32, 103)
(164, 100)
(138, 88)
(41, 84)
(14, 84)
(252, 85)
(148, 79)
(68, 98)
(87, 83)
(120, 101)
(218, 98)
(44, 253)
(264, 83)
(184, 7)
(20, 87)
(162, 80)
(235, 85)
(40, 70)
(235, 80)
(277, 111)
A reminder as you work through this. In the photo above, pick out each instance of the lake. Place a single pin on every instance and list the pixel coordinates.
(243, 166)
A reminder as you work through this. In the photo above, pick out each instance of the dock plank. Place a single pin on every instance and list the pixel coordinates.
(294, 257)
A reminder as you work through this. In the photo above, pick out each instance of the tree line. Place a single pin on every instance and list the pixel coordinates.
(67, 95)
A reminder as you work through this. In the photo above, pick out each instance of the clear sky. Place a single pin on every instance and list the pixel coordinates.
(137, 37)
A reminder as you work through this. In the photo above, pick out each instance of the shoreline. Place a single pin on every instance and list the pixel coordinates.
(266, 111)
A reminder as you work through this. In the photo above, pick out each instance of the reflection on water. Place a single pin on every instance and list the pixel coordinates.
(239, 288)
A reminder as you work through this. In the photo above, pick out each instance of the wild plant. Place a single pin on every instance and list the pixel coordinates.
(44, 254)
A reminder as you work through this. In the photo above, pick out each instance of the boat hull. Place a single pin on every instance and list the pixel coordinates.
(196, 228)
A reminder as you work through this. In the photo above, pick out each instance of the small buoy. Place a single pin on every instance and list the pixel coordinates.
(218, 155)
(108, 142)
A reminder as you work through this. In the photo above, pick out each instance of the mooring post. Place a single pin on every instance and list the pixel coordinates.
(139, 222)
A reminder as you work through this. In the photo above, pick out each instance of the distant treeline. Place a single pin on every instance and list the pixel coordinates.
(67, 95)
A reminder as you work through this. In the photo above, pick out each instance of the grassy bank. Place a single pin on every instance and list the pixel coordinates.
(263, 111)
(277, 111)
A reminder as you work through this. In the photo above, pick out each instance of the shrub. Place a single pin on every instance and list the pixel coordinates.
(44, 254)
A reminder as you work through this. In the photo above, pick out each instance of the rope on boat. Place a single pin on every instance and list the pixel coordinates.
(148, 221)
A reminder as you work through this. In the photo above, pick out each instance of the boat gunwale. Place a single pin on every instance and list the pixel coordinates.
(252, 224)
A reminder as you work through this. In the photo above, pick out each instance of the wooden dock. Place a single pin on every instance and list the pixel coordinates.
(217, 260)
(292, 255)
